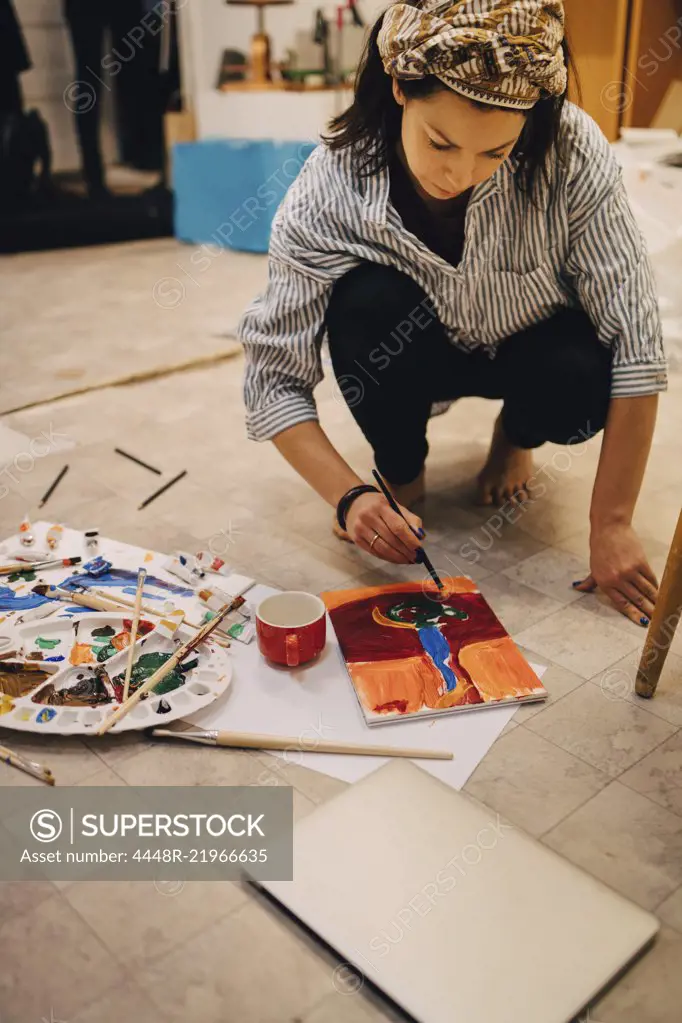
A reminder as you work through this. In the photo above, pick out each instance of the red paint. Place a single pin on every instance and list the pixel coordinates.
(386, 708)
(143, 626)
(291, 646)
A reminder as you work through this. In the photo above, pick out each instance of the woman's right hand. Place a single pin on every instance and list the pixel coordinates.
(371, 514)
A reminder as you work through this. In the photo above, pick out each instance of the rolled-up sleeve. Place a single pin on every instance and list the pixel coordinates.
(611, 272)
(281, 333)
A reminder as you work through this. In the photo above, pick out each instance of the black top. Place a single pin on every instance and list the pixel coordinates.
(439, 224)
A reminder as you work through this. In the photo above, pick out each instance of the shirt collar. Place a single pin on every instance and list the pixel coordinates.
(375, 190)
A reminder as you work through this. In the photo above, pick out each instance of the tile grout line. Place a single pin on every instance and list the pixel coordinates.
(589, 763)
(541, 837)
(657, 747)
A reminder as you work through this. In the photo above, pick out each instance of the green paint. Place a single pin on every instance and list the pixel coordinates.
(421, 612)
(144, 667)
(47, 644)
(26, 575)
(103, 653)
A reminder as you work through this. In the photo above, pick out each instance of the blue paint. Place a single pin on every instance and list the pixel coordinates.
(122, 577)
(97, 566)
(127, 579)
(437, 648)
(11, 601)
(46, 715)
(59, 657)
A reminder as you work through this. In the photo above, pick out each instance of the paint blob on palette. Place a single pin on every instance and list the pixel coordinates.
(413, 651)
(86, 639)
(73, 694)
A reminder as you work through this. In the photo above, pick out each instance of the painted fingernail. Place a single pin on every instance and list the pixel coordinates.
(577, 582)
(643, 621)
(421, 534)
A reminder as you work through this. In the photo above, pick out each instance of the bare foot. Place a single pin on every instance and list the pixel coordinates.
(506, 473)
(405, 494)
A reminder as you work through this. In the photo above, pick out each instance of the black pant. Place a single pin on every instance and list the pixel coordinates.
(392, 360)
(132, 60)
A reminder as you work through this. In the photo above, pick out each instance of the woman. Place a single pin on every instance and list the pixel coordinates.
(463, 231)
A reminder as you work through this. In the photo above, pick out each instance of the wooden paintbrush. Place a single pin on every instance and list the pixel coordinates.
(123, 602)
(243, 740)
(38, 566)
(28, 766)
(95, 600)
(141, 576)
(84, 598)
(421, 554)
(172, 662)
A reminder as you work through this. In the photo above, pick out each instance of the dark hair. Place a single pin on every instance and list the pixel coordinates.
(372, 122)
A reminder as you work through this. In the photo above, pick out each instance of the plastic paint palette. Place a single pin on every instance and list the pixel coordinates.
(93, 652)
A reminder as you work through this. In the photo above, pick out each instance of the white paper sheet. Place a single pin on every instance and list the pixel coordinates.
(318, 701)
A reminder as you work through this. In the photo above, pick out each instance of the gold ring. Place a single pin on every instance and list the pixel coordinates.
(374, 540)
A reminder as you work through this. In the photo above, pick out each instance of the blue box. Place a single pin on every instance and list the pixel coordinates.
(227, 190)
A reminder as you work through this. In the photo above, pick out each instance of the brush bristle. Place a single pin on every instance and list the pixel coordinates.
(41, 589)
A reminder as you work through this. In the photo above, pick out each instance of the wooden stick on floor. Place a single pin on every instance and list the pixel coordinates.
(663, 621)
(247, 740)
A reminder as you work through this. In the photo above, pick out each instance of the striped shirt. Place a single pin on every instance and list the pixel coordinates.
(577, 245)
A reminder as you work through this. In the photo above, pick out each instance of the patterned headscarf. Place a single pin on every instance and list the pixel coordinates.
(503, 52)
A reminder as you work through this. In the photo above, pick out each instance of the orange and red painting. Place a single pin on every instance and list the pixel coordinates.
(415, 651)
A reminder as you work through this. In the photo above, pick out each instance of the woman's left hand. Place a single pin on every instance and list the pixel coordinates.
(619, 567)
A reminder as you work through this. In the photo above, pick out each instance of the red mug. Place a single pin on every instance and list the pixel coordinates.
(291, 627)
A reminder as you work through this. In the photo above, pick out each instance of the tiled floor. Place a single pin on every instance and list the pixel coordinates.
(595, 773)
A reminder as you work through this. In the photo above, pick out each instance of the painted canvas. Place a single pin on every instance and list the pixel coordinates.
(414, 651)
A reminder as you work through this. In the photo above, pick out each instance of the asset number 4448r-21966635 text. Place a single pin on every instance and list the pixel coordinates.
(201, 856)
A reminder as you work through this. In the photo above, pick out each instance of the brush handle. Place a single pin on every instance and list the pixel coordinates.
(37, 566)
(142, 575)
(422, 555)
(392, 501)
(212, 624)
(94, 603)
(124, 602)
(156, 612)
(28, 766)
(255, 741)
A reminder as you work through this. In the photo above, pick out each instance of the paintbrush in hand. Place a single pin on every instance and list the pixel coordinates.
(422, 556)
(168, 666)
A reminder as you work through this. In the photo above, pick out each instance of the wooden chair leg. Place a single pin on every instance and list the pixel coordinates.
(663, 621)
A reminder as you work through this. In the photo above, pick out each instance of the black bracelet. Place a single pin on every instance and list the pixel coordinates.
(347, 500)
